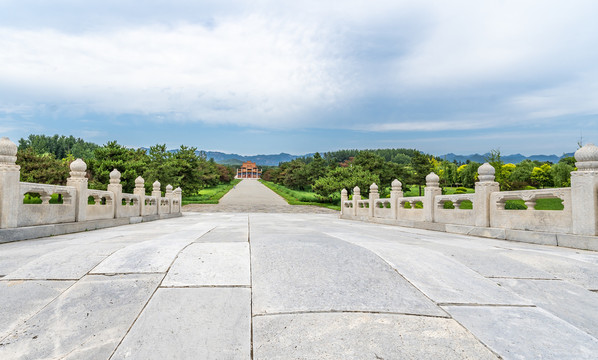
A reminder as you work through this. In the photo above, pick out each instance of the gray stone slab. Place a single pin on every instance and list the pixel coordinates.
(363, 336)
(195, 323)
(563, 267)
(149, 256)
(525, 333)
(19, 300)
(321, 273)
(569, 302)
(86, 322)
(70, 262)
(206, 264)
(226, 234)
(440, 277)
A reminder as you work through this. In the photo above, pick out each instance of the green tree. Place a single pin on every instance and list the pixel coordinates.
(345, 178)
(541, 175)
(468, 174)
(316, 168)
(43, 169)
(130, 162)
(421, 165)
(561, 174)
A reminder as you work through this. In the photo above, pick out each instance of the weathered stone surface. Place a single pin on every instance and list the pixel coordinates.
(203, 264)
(569, 302)
(525, 333)
(19, 300)
(149, 256)
(363, 336)
(321, 273)
(196, 323)
(86, 322)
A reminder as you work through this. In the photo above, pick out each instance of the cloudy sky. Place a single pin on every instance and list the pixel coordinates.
(251, 77)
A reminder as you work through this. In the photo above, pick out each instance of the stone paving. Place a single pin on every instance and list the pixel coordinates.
(293, 286)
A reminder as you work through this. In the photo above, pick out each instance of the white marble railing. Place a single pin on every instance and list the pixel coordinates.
(74, 198)
(486, 206)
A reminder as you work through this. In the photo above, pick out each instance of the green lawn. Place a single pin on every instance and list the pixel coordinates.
(296, 197)
(210, 195)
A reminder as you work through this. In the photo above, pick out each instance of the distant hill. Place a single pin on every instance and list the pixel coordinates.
(514, 159)
(236, 159)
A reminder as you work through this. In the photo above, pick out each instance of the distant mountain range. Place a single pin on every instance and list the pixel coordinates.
(275, 159)
(514, 159)
(236, 159)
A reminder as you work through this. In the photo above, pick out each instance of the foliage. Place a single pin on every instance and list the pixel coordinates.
(468, 174)
(59, 146)
(45, 169)
(345, 178)
(210, 195)
(541, 175)
(130, 163)
(561, 174)
(296, 197)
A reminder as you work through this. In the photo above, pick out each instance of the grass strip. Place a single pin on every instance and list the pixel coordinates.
(210, 195)
(295, 197)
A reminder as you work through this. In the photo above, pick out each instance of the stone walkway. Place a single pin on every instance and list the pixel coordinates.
(293, 286)
(251, 196)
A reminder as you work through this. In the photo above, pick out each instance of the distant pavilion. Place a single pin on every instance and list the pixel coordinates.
(249, 170)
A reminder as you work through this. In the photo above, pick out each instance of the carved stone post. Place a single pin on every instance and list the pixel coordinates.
(157, 194)
(140, 191)
(344, 197)
(79, 182)
(9, 184)
(432, 190)
(374, 195)
(396, 192)
(117, 189)
(178, 194)
(584, 191)
(356, 198)
(169, 195)
(481, 199)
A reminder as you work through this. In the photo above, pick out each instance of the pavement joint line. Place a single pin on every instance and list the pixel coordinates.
(205, 286)
(149, 299)
(128, 273)
(488, 305)
(9, 280)
(523, 278)
(350, 312)
(250, 291)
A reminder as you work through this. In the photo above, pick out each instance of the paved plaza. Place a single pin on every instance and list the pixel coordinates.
(243, 285)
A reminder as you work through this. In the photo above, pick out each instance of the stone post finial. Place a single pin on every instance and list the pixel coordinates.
(78, 169)
(344, 192)
(432, 180)
(115, 177)
(396, 185)
(8, 151)
(356, 191)
(156, 186)
(139, 182)
(486, 172)
(344, 198)
(169, 188)
(373, 188)
(372, 199)
(178, 191)
(587, 158)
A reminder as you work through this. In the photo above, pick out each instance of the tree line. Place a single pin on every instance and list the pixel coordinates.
(327, 175)
(46, 159)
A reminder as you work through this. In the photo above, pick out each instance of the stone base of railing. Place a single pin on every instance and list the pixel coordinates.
(582, 242)
(32, 232)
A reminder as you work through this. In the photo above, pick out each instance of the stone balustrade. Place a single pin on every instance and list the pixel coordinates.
(576, 225)
(77, 203)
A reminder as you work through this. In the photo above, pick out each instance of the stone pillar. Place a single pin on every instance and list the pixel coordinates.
(178, 194)
(140, 191)
(374, 195)
(432, 190)
(356, 198)
(157, 194)
(344, 197)
(481, 199)
(117, 189)
(79, 182)
(9, 184)
(169, 195)
(396, 192)
(584, 191)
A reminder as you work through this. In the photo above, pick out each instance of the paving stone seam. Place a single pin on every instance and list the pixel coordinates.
(350, 312)
(149, 299)
(523, 278)
(203, 286)
(250, 290)
(126, 273)
(30, 279)
(488, 305)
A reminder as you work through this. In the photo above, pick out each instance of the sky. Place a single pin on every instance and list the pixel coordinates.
(263, 77)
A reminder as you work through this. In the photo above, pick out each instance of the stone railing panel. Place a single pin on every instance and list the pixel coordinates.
(151, 205)
(129, 206)
(383, 208)
(46, 213)
(531, 219)
(103, 208)
(457, 215)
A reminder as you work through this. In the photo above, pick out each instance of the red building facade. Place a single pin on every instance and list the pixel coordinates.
(248, 170)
